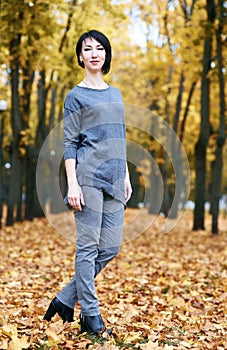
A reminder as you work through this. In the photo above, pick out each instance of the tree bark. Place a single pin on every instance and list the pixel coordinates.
(30, 183)
(1, 172)
(28, 80)
(135, 199)
(41, 134)
(155, 195)
(182, 127)
(176, 152)
(13, 197)
(201, 145)
(165, 167)
(217, 164)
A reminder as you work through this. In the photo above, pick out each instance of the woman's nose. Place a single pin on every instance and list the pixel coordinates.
(94, 53)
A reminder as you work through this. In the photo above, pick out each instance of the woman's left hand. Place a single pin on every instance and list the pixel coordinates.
(128, 189)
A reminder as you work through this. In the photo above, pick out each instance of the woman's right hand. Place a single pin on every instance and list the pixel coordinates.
(75, 197)
(75, 194)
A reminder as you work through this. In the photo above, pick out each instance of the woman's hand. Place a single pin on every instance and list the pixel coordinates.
(75, 196)
(128, 189)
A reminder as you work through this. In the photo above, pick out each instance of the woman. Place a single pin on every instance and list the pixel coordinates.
(97, 176)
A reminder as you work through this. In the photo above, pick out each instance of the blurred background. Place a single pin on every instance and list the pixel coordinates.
(168, 57)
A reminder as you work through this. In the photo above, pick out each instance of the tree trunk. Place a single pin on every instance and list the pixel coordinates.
(134, 200)
(41, 134)
(55, 206)
(20, 180)
(28, 77)
(164, 168)
(176, 152)
(1, 171)
(181, 135)
(216, 185)
(154, 207)
(155, 195)
(30, 183)
(28, 80)
(61, 104)
(217, 164)
(201, 145)
(42, 129)
(200, 169)
(182, 127)
(16, 126)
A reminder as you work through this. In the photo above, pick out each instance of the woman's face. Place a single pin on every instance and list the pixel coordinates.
(93, 55)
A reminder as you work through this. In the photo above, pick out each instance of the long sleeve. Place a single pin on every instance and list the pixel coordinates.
(71, 133)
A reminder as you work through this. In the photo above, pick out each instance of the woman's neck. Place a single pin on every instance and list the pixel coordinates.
(94, 81)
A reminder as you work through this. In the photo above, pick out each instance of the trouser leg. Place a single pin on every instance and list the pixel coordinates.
(85, 285)
(111, 232)
(88, 224)
(105, 255)
(68, 296)
(97, 244)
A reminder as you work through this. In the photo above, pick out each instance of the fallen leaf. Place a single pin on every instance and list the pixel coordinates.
(19, 343)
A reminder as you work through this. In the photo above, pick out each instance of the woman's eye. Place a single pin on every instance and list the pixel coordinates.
(89, 48)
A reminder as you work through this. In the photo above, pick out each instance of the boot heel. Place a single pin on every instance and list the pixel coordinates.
(51, 311)
(83, 327)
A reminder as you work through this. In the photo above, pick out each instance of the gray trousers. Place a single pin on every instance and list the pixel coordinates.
(99, 234)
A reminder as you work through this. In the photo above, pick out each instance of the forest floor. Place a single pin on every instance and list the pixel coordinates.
(165, 290)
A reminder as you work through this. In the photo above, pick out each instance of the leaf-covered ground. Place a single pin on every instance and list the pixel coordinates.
(163, 291)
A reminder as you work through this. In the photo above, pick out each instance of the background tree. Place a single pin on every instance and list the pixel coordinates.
(14, 46)
(205, 129)
(217, 164)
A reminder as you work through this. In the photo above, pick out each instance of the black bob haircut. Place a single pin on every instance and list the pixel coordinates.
(103, 40)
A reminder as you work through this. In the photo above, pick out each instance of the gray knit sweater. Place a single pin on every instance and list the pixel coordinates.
(94, 135)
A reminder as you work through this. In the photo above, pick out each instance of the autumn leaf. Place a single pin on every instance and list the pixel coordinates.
(19, 343)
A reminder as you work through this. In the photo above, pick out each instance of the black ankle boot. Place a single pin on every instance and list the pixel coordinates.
(93, 325)
(56, 306)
